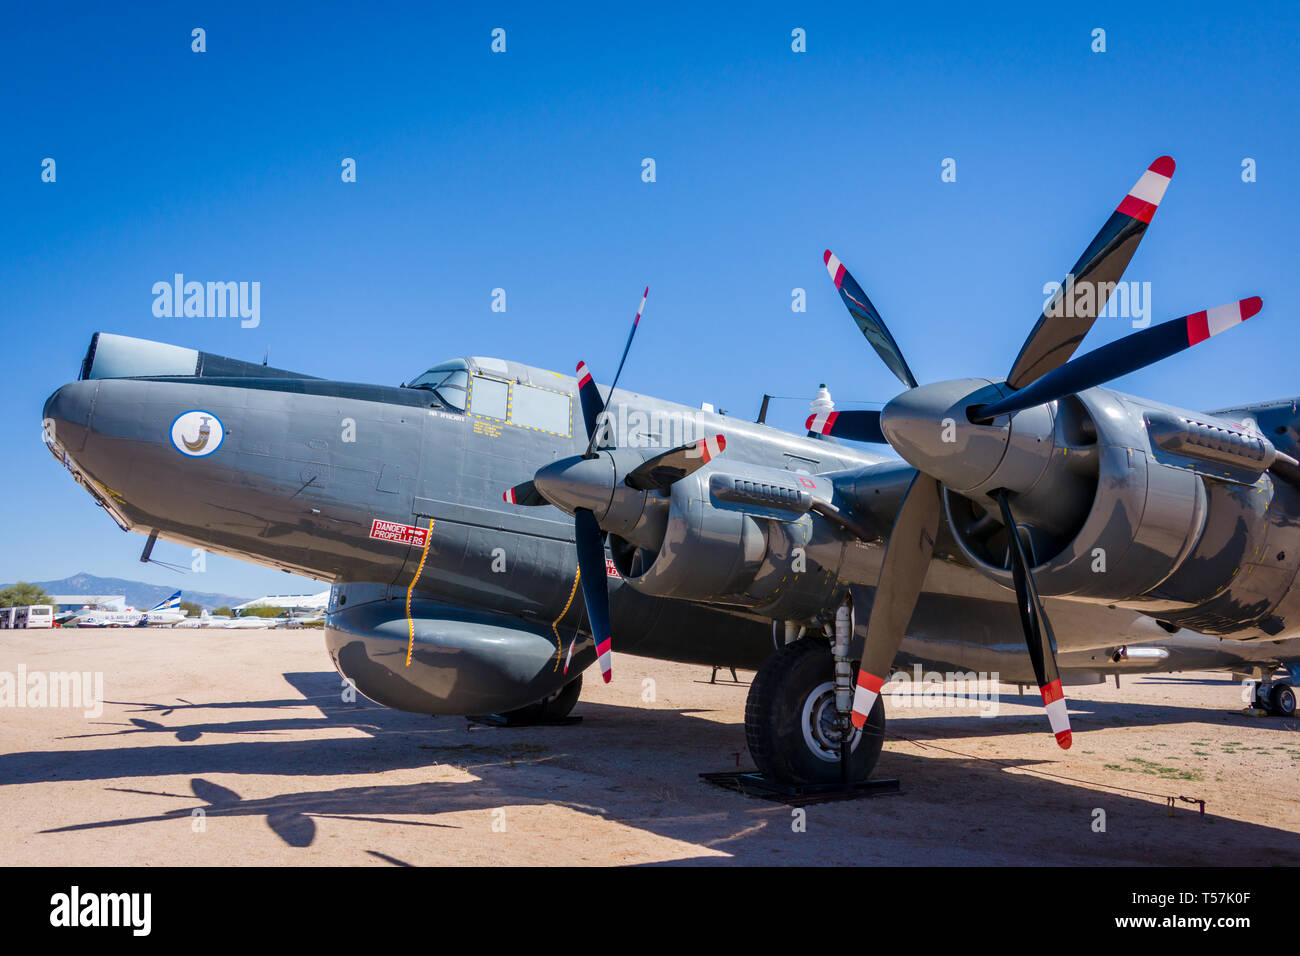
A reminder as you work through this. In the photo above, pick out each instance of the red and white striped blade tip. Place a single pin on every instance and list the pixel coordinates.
(820, 422)
(710, 448)
(834, 267)
(605, 659)
(1057, 714)
(864, 696)
(1203, 325)
(1145, 196)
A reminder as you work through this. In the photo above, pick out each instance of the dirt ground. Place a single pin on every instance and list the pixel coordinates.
(236, 747)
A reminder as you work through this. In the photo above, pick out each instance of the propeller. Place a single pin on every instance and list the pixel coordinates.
(588, 536)
(908, 554)
(1038, 630)
(1125, 355)
(1043, 372)
(587, 486)
(662, 471)
(592, 406)
(869, 320)
(1088, 285)
(853, 425)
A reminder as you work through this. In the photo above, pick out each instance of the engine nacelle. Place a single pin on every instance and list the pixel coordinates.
(739, 536)
(1163, 510)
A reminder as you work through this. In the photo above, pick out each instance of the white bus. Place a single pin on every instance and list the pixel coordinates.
(38, 615)
(7, 615)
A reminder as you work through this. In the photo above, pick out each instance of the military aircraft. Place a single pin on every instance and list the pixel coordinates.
(104, 617)
(458, 516)
(166, 612)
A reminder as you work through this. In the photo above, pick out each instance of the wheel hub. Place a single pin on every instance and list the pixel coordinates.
(821, 725)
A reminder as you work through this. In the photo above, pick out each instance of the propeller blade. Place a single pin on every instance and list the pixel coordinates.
(1055, 336)
(868, 319)
(908, 554)
(853, 425)
(1038, 631)
(1126, 355)
(592, 403)
(595, 589)
(626, 348)
(524, 493)
(660, 472)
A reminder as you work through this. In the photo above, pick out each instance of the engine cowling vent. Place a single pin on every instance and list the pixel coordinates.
(1215, 441)
(764, 494)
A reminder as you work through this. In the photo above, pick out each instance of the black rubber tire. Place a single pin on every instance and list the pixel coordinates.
(1282, 702)
(555, 707)
(774, 712)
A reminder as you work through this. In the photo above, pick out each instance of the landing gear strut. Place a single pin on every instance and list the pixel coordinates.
(792, 724)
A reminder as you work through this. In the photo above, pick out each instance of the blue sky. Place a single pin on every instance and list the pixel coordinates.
(523, 170)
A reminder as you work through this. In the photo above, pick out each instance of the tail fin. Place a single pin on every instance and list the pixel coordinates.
(168, 604)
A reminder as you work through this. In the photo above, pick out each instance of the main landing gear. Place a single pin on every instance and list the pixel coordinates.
(1277, 697)
(793, 728)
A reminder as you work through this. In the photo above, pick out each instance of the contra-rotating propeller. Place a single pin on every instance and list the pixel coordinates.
(1043, 372)
(587, 486)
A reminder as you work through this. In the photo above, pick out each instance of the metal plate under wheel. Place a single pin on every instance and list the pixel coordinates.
(753, 784)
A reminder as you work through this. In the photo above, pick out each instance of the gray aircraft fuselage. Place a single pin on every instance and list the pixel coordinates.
(304, 468)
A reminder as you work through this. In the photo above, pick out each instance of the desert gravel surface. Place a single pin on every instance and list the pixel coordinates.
(239, 747)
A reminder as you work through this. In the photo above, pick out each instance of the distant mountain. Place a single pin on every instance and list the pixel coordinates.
(138, 594)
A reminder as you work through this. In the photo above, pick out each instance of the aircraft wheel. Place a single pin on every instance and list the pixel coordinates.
(790, 719)
(1283, 701)
(555, 707)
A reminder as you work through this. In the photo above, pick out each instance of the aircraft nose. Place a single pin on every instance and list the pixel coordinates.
(66, 415)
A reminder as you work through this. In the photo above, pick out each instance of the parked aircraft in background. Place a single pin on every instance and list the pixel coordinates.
(103, 617)
(166, 612)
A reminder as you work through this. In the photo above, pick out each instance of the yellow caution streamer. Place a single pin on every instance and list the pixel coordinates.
(559, 644)
(410, 624)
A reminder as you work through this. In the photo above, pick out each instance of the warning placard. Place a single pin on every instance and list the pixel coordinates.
(401, 533)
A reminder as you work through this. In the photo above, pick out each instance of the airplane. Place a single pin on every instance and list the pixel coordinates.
(293, 620)
(103, 617)
(458, 515)
(206, 619)
(234, 623)
(166, 612)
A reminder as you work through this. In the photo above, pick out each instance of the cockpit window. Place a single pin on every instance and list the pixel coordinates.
(449, 381)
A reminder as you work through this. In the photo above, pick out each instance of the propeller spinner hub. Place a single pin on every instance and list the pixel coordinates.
(930, 428)
(577, 482)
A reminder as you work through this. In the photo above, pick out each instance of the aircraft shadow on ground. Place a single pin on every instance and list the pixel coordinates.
(513, 767)
(915, 719)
